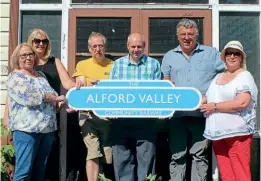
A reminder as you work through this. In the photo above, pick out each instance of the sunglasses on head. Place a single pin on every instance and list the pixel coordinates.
(234, 53)
(38, 41)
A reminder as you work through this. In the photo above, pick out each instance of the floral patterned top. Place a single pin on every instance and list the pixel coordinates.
(221, 125)
(27, 110)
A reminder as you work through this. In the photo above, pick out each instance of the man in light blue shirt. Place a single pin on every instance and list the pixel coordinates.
(190, 65)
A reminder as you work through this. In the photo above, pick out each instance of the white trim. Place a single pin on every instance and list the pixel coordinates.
(141, 6)
(41, 7)
(212, 2)
(239, 8)
(64, 33)
(259, 90)
(215, 27)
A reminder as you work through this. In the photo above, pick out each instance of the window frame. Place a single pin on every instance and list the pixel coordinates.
(76, 13)
(216, 10)
(16, 7)
(204, 14)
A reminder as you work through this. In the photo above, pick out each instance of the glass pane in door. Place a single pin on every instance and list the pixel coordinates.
(163, 34)
(244, 27)
(238, 1)
(116, 30)
(49, 21)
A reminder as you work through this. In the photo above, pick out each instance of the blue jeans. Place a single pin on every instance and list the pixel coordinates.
(31, 151)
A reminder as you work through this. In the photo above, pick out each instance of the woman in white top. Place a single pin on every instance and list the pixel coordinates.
(229, 106)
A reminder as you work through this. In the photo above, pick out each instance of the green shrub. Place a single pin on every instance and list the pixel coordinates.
(151, 177)
(7, 151)
(101, 177)
(7, 157)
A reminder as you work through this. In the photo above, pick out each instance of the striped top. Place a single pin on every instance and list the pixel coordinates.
(147, 69)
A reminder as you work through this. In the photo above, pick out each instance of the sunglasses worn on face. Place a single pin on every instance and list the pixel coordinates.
(234, 53)
(38, 41)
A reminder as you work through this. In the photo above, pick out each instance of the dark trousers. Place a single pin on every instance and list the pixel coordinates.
(186, 140)
(133, 149)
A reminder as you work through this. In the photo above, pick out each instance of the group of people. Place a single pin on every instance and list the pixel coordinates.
(226, 114)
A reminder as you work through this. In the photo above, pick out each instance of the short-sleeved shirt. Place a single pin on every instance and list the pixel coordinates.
(93, 70)
(27, 110)
(147, 69)
(198, 71)
(221, 125)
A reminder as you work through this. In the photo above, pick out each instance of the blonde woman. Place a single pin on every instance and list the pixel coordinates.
(57, 77)
(230, 109)
(51, 66)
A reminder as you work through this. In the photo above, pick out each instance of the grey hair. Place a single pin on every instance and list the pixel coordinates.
(14, 59)
(187, 23)
(95, 34)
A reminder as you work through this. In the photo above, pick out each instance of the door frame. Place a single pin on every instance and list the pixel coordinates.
(139, 23)
(133, 14)
(205, 14)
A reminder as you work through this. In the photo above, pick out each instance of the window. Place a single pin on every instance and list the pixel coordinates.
(116, 30)
(41, 1)
(142, 1)
(163, 34)
(244, 27)
(238, 1)
(49, 21)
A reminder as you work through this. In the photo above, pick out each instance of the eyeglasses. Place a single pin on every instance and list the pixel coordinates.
(96, 46)
(25, 55)
(137, 47)
(38, 41)
(236, 54)
(189, 35)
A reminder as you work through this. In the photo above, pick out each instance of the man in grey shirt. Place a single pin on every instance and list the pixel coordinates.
(189, 65)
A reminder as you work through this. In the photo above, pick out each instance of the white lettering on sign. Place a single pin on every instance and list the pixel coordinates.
(132, 112)
(148, 98)
(111, 98)
(130, 98)
(134, 83)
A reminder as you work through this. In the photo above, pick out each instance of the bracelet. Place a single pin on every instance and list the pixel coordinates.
(215, 107)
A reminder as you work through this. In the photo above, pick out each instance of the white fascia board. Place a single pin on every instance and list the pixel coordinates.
(239, 8)
(41, 7)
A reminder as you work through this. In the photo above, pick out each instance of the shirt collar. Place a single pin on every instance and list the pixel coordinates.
(142, 60)
(178, 48)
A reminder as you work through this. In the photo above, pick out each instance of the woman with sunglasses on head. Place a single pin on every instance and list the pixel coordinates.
(57, 76)
(32, 114)
(229, 105)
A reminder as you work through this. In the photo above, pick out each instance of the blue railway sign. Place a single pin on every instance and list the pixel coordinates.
(134, 98)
